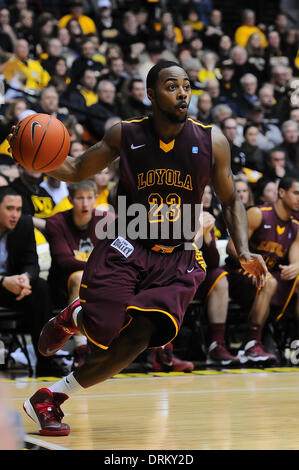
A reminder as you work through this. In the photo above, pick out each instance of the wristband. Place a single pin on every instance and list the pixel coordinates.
(1, 280)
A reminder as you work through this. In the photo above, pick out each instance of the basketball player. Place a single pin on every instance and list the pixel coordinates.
(134, 292)
(273, 233)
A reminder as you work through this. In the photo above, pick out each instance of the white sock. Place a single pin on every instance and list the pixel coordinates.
(79, 340)
(67, 385)
(75, 314)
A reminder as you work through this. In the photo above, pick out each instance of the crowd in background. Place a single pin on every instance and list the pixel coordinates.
(86, 63)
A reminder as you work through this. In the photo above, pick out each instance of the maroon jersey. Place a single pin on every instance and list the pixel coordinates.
(167, 179)
(273, 237)
(70, 246)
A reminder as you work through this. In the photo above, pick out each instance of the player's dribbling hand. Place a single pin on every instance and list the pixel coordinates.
(255, 265)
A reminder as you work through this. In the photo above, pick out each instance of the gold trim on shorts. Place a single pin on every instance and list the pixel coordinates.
(225, 273)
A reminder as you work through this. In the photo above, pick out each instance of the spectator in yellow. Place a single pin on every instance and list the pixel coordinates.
(209, 70)
(76, 12)
(27, 72)
(247, 29)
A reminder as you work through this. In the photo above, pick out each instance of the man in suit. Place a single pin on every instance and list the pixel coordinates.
(21, 288)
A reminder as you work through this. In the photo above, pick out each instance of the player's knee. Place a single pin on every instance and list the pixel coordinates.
(270, 285)
(140, 332)
(75, 280)
(222, 286)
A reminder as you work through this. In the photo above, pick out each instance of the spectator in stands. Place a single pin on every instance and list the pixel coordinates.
(85, 60)
(21, 288)
(133, 102)
(60, 75)
(76, 148)
(116, 73)
(209, 70)
(274, 234)
(256, 55)
(67, 51)
(273, 53)
(248, 93)
(219, 113)
(214, 30)
(131, 39)
(247, 28)
(229, 127)
(244, 192)
(48, 103)
(269, 135)
(268, 103)
(76, 11)
(265, 191)
(212, 86)
(107, 26)
(76, 35)
(241, 65)
(105, 108)
(53, 50)
(24, 28)
(204, 106)
(72, 236)
(279, 77)
(8, 34)
(25, 73)
(15, 10)
(290, 134)
(228, 86)
(224, 47)
(275, 164)
(254, 155)
(37, 202)
(11, 118)
(44, 30)
(55, 188)
(81, 98)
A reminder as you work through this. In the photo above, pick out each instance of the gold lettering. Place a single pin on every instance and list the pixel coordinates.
(177, 181)
(150, 178)
(160, 173)
(188, 183)
(141, 182)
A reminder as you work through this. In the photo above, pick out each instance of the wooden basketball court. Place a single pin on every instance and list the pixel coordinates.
(204, 410)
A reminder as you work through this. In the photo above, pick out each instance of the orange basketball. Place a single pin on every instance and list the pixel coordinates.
(40, 143)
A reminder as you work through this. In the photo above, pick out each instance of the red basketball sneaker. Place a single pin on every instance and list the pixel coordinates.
(44, 408)
(254, 352)
(163, 360)
(58, 330)
(218, 355)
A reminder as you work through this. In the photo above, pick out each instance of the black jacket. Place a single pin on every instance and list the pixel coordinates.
(21, 247)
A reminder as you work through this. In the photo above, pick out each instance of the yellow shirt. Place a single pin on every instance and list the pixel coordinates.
(90, 97)
(243, 32)
(204, 74)
(4, 146)
(65, 204)
(86, 23)
(36, 76)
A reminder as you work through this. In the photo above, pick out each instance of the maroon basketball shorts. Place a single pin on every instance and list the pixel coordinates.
(122, 279)
(243, 290)
(207, 286)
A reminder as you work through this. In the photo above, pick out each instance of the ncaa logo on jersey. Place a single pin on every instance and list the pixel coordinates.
(195, 149)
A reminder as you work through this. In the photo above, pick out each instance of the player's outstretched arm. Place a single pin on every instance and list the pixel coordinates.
(233, 209)
(92, 161)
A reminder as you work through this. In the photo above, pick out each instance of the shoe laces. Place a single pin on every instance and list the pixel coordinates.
(50, 410)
